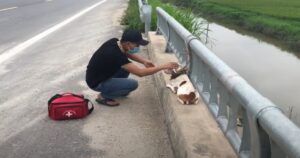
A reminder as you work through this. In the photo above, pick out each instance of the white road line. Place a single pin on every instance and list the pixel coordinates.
(19, 48)
(8, 9)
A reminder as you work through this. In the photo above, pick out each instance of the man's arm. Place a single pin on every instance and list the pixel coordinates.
(141, 60)
(132, 68)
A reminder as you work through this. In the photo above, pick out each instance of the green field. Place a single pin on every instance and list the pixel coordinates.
(277, 19)
(289, 9)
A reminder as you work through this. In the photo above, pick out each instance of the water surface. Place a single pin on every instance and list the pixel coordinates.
(273, 72)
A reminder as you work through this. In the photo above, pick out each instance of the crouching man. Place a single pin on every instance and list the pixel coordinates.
(108, 69)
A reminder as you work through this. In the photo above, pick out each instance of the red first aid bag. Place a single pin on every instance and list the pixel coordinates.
(68, 106)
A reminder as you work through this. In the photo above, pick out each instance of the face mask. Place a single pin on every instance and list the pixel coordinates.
(134, 50)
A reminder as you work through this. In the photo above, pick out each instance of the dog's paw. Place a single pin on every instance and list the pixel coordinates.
(172, 88)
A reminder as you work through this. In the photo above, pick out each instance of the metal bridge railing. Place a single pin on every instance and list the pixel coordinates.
(145, 14)
(265, 132)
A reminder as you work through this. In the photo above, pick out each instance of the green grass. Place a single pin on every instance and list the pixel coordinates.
(131, 19)
(278, 19)
(289, 9)
(184, 16)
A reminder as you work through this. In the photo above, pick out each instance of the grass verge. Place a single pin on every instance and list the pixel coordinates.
(131, 19)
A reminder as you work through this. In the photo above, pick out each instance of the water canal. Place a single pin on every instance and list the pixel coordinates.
(272, 71)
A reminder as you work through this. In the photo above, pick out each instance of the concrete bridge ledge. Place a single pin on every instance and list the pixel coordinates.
(192, 130)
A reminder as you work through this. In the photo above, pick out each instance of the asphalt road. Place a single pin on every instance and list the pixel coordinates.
(33, 70)
(22, 19)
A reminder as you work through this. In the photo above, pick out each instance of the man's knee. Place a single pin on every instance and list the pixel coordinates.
(134, 85)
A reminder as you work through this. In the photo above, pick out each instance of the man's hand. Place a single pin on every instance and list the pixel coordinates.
(171, 65)
(148, 64)
(141, 60)
(132, 68)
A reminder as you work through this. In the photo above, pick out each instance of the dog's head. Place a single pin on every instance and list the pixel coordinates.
(177, 72)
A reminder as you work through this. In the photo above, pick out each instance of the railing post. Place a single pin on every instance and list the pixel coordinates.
(158, 32)
(147, 12)
(168, 46)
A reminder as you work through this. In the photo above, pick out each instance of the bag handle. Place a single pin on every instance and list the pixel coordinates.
(92, 108)
(61, 95)
(75, 95)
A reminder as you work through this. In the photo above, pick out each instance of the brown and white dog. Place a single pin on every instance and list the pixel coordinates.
(182, 87)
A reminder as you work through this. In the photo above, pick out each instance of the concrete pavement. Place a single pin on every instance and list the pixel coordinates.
(57, 64)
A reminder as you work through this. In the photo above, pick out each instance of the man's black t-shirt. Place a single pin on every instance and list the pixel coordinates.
(105, 62)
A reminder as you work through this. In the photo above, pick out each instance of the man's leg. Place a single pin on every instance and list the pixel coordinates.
(116, 87)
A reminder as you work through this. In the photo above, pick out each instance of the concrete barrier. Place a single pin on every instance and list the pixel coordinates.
(192, 130)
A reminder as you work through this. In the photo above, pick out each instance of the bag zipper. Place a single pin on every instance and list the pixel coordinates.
(66, 103)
